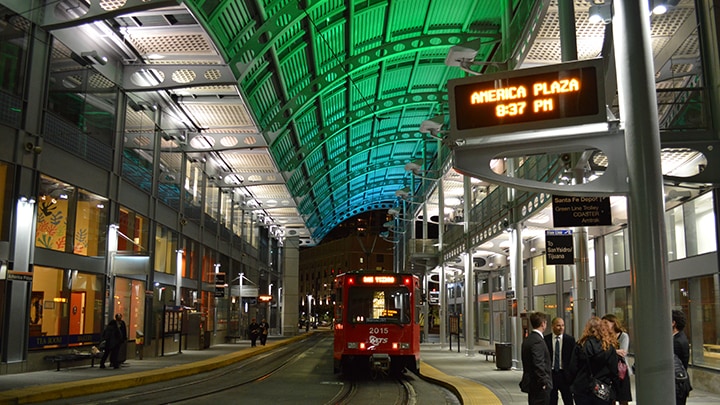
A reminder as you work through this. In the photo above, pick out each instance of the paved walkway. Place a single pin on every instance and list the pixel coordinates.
(474, 379)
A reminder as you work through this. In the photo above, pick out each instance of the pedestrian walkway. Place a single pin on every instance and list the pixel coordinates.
(469, 375)
(504, 383)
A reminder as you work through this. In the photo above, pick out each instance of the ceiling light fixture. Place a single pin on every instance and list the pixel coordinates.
(663, 6)
(600, 13)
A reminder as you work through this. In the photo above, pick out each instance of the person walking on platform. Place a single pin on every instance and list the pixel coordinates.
(254, 331)
(264, 329)
(561, 346)
(594, 357)
(681, 349)
(122, 348)
(111, 337)
(537, 378)
(623, 393)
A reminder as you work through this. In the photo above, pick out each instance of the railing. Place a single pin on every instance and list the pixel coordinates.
(423, 246)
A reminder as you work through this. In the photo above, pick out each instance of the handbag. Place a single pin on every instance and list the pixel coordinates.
(599, 388)
(622, 368)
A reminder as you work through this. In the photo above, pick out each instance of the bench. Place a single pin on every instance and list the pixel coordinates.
(58, 359)
(233, 338)
(487, 353)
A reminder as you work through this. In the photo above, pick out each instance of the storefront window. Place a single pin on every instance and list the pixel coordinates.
(53, 213)
(66, 308)
(542, 273)
(190, 260)
(135, 227)
(546, 303)
(130, 302)
(70, 219)
(615, 252)
(166, 244)
(675, 229)
(208, 266)
(207, 306)
(90, 224)
(484, 316)
(700, 225)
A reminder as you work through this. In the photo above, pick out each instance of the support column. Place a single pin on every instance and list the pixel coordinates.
(516, 268)
(469, 279)
(649, 277)
(290, 283)
(442, 312)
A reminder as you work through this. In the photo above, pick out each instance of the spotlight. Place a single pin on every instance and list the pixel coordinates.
(600, 13)
(663, 6)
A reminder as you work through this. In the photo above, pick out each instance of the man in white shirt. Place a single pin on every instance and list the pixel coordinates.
(561, 347)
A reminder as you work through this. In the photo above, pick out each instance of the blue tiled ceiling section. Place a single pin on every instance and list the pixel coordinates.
(340, 87)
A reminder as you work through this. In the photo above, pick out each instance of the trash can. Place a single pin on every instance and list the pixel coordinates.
(503, 356)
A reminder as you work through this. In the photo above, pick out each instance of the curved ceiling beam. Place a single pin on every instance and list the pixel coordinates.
(327, 221)
(335, 128)
(301, 184)
(284, 113)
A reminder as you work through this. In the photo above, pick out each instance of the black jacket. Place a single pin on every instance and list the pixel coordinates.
(536, 365)
(111, 335)
(681, 347)
(604, 365)
(568, 345)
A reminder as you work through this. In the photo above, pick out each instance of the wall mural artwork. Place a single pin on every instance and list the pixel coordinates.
(51, 224)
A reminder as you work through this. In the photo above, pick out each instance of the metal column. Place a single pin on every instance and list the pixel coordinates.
(649, 268)
(469, 279)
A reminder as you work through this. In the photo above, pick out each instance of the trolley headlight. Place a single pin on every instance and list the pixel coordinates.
(404, 345)
(352, 345)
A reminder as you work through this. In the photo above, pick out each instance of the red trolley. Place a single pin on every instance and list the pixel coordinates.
(376, 322)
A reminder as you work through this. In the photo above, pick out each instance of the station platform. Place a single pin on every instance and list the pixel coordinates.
(473, 378)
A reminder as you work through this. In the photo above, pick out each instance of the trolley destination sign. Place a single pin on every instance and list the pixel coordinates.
(559, 247)
(527, 99)
(581, 211)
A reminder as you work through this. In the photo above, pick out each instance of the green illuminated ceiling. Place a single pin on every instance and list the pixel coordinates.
(340, 88)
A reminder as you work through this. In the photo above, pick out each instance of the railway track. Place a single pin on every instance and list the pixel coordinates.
(295, 374)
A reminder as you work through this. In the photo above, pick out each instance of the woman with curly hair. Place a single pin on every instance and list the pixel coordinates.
(622, 391)
(594, 356)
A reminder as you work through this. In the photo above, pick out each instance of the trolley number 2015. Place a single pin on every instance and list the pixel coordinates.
(510, 109)
(379, 331)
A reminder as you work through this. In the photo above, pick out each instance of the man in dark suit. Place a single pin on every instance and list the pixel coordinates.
(537, 377)
(560, 360)
(681, 348)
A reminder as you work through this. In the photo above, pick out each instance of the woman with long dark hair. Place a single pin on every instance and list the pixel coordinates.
(623, 392)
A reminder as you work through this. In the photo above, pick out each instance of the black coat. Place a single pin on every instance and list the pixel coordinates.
(536, 365)
(111, 335)
(681, 347)
(604, 365)
(568, 345)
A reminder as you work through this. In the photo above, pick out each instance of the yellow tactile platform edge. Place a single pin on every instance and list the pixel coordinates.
(71, 389)
(469, 392)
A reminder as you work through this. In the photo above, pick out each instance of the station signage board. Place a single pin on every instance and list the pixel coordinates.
(551, 96)
(559, 247)
(581, 211)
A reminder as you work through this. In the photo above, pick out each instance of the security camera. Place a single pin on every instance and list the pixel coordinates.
(430, 127)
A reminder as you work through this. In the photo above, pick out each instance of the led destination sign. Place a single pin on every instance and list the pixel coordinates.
(526, 99)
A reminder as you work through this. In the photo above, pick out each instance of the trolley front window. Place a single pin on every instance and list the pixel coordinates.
(379, 305)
